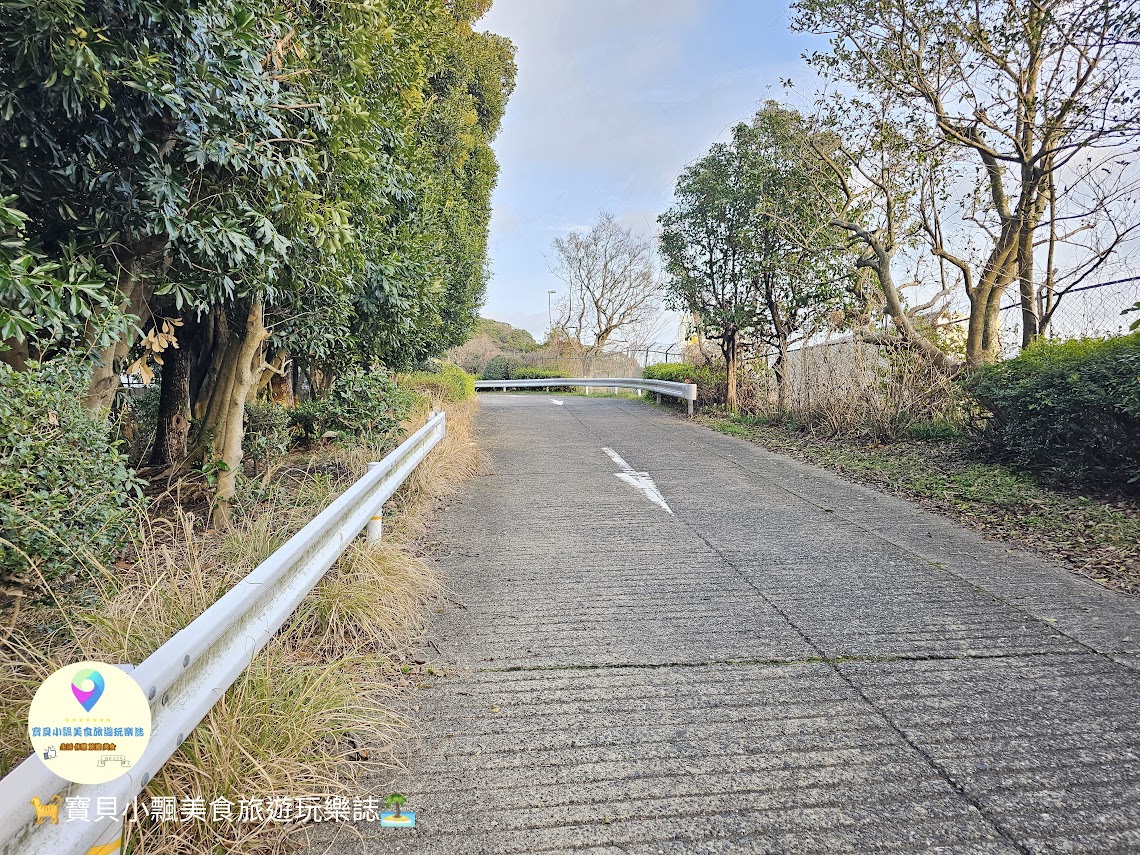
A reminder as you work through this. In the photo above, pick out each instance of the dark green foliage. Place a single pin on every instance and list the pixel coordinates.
(500, 368)
(364, 404)
(68, 500)
(146, 135)
(448, 383)
(305, 423)
(1070, 410)
(509, 368)
(712, 386)
(266, 429)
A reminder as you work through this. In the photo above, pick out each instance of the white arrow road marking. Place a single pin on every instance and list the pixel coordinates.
(640, 480)
(555, 401)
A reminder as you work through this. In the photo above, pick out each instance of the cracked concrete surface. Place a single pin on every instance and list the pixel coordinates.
(787, 663)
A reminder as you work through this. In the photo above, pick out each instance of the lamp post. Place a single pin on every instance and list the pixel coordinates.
(549, 310)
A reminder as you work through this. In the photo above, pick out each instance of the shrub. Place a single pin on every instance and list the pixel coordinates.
(266, 429)
(449, 383)
(712, 386)
(500, 367)
(305, 423)
(67, 496)
(1068, 410)
(362, 404)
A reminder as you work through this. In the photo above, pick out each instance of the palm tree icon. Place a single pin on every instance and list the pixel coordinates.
(397, 800)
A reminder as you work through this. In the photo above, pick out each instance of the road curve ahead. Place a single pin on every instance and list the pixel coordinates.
(662, 639)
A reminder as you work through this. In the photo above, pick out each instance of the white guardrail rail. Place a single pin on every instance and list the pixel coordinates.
(187, 675)
(685, 391)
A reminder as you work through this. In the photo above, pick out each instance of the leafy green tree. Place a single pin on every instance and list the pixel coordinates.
(395, 800)
(706, 241)
(234, 200)
(801, 262)
(750, 250)
(153, 146)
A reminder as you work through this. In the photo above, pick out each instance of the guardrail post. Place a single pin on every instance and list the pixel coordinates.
(375, 528)
(658, 397)
(690, 403)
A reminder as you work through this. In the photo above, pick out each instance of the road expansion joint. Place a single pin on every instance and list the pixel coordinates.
(772, 662)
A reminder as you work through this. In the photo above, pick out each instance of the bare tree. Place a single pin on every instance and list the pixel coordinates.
(880, 185)
(612, 280)
(1037, 95)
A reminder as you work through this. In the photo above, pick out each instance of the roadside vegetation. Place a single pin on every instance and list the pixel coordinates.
(233, 245)
(321, 696)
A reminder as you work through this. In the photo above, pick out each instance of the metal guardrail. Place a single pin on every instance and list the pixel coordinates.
(685, 391)
(187, 675)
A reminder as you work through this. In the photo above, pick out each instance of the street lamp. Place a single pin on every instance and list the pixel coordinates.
(549, 310)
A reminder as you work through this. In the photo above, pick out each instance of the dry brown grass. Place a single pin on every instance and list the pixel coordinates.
(288, 725)
(370, 601)
(855, 389)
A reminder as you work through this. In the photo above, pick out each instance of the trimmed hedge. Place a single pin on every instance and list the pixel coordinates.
(1067, 410)
(499, 368)
(450, 383)
(509, 368)
(530, 372)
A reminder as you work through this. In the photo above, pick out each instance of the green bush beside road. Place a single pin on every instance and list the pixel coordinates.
(1069, 411)
(67, 495)
(450, 383)
(711, 385)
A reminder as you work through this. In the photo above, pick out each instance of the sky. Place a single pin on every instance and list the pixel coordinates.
(613, 99)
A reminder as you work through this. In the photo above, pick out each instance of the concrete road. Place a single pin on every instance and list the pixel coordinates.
(777, 661)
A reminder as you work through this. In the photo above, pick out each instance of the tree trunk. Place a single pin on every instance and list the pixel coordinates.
(134, 299)
(16, 354)
(1029, 320)
(730, 347)
(218, 440)
(281, 381)
(172, 430)
(983, 334)
(781, 369)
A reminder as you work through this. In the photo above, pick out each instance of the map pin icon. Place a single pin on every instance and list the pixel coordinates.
(87, 686)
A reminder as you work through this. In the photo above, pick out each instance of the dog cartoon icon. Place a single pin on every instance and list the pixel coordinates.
(48, 811)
